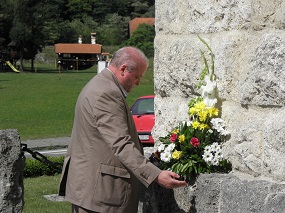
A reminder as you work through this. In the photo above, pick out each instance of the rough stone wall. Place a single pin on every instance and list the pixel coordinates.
(248, 40)
(11, 173)
(217, 193)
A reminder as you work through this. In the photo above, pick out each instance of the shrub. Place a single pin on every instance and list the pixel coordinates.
(143, 38)
(35, 168)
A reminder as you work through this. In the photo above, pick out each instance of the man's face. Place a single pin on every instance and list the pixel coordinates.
(132, 78)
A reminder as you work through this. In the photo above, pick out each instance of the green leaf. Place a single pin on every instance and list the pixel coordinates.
(184, 168)
(212, 58)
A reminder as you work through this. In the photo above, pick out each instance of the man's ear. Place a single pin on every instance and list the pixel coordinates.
(123, 68)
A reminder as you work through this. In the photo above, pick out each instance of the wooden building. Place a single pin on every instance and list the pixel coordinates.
(77, 56)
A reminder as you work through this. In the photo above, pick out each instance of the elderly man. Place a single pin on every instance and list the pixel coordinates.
(104, 165)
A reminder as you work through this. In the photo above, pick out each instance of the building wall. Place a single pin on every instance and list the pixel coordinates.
(248, 40)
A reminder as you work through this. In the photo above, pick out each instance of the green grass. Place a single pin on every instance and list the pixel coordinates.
(36, 188)
(41, 104)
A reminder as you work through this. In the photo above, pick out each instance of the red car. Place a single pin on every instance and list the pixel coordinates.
(143, 115)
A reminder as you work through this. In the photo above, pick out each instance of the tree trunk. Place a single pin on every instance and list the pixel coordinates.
(32, 65)
(21, 60)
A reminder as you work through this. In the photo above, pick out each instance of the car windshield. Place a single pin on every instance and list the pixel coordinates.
(143, 106)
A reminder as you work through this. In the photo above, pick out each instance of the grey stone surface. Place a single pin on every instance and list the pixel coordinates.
(217, 193)
(11, 174)
(248, 40)
(54, 197)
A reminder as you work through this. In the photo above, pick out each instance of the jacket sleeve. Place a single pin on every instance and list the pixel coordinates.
(119, 133)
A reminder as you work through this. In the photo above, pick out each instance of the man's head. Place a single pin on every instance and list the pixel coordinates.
(129, 65)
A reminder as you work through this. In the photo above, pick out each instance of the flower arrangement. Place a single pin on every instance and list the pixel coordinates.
(195, 146)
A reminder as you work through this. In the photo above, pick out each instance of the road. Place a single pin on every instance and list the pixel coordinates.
(53, 153)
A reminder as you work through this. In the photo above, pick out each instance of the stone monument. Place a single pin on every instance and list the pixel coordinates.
(11, 174)
(248, 40)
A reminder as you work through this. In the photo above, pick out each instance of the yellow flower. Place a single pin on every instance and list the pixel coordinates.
(181, 138)
(200, 105)
(192, 111)
(213, 111)
(197, 108)
(203, 115)
(176, 154)
(204, 126)
(175, 131)
(195, 124)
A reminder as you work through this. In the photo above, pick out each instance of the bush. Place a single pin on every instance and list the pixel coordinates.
(35, 168)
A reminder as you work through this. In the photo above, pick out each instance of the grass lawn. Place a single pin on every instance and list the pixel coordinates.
(36, 188)
(41, 104)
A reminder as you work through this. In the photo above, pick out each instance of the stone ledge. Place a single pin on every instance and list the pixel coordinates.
(221, 193)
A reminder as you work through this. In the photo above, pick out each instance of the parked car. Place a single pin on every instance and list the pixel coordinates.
(143, 115)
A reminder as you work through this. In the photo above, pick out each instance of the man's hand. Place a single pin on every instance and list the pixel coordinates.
(168, 180)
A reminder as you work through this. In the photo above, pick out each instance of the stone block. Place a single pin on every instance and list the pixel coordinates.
(217, 193)
(11, 174)
(204, 16)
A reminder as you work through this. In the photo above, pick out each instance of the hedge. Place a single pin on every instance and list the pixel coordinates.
(35, 168)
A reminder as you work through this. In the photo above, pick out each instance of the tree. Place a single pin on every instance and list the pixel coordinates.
(114, 30)
(141, 8)
(119, 7)
(30, 24)
(6, 17)
(84, 28)
(143, 38)
(80, 8)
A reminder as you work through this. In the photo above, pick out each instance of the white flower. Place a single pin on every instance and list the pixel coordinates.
(207, 149)
(210, 86)
(219, 125)
(188, 123)
(165, 156)
(210, 102)
(224, 132)
(207, 157)
(170, 147)
(215, 146)
(219, 155)
(215, 162)
(161, 147)
(213, 154)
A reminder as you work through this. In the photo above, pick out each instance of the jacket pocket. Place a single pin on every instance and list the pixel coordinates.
(112, 185)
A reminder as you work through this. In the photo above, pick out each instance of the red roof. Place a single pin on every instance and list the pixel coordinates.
(78, 48)
(137, 21)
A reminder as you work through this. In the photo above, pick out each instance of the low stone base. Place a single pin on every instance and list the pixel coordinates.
(12, 163)
(221, 193)
(54, 197)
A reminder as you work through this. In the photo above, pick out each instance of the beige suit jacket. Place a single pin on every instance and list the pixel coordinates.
(105, 165)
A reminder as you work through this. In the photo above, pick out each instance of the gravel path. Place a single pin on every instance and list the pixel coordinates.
(49, 143)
